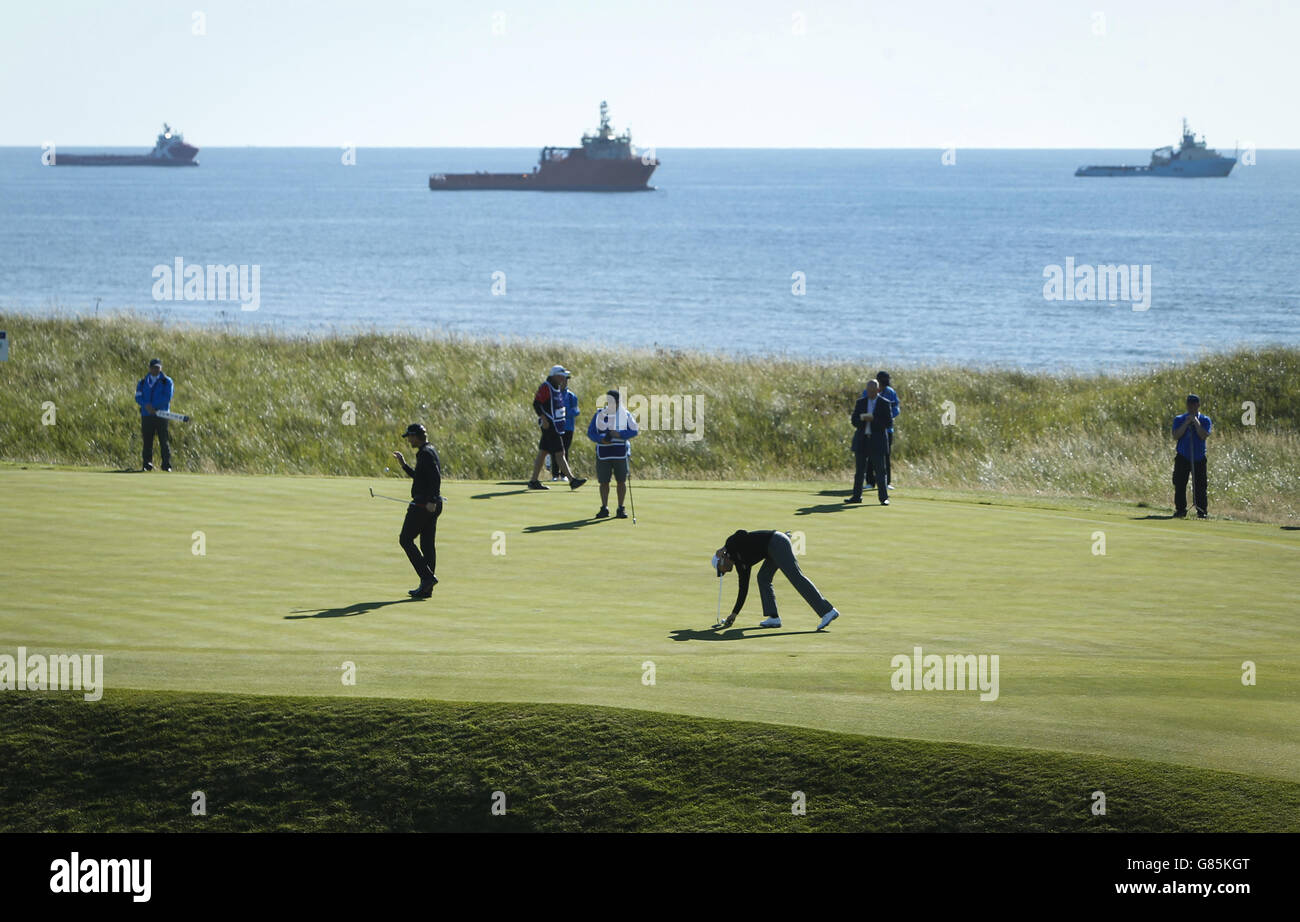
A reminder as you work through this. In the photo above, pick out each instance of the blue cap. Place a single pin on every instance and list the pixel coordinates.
(1192, 398)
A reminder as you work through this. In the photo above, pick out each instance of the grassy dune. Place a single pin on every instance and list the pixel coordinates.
(270, 404)
(301, 764)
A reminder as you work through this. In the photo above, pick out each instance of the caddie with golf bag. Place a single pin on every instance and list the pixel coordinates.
(154, 395)
(425, 507)
(612, 428)
(551, 407)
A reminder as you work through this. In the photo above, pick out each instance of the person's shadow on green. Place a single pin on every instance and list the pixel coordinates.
(356, 608)
(733, 633)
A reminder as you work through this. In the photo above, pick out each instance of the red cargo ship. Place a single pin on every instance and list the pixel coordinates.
(604, 163)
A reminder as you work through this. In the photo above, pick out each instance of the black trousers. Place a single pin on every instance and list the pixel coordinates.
(889, 454)
(149, 427)
(875, 455)
(1183, 468)
(555, 459)
(423, 524)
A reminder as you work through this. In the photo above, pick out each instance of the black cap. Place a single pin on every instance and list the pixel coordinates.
(1192, 398)
(613, 394)
(155, 363)
(415, 429)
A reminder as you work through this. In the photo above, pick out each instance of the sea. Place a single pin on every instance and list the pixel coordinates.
(889, 257)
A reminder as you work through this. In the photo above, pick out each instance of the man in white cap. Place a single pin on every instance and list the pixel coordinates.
(570, 424)
(551, 408)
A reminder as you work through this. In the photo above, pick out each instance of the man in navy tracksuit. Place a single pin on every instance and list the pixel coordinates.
(1191, 429)
(773, 549)
(153, 393)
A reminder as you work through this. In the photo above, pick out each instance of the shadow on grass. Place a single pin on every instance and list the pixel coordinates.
(1143, 518)
(844, 492)
(1290, 527)
(505, 483)
(826, 507)
(566, 526)
(734, 633)
(356, 608)
(127, 470)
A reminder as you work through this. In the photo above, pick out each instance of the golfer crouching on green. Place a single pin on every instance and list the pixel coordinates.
(746, 548)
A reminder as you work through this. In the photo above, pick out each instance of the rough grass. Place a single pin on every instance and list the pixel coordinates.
(132, 762)
(265, 403)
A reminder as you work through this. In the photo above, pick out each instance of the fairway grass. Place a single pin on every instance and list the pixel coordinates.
(1134, 654)
(134, 762)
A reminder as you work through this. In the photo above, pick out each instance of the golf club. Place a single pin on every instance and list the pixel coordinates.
(630, 498)
(168, 414)
(404, 502)
(717, 618)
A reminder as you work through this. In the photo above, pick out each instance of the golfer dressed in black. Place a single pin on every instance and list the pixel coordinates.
(426, 506)
(746, 548)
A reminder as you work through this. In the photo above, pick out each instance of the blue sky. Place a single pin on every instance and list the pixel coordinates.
(683, 74)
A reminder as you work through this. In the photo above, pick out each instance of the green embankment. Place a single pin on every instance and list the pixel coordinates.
(134, 763)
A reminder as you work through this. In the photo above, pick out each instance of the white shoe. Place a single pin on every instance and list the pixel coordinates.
(827, 619)
(774, 621)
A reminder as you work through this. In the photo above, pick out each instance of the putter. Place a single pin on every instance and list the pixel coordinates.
(717, 618)
(630, 497)
(404, 502)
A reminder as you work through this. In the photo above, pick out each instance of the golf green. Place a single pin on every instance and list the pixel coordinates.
(1134, 653)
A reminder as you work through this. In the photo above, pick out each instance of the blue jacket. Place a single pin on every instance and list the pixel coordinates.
(619, 446)
(159, 396)
(1190, 444)
(571, 403)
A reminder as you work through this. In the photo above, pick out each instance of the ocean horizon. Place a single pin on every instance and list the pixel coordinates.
(888, 256)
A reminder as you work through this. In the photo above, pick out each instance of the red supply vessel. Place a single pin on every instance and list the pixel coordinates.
(604, 163)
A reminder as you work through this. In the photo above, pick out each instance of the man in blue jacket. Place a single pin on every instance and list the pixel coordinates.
(154, 393)
(1191, 429)
(612, 428)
